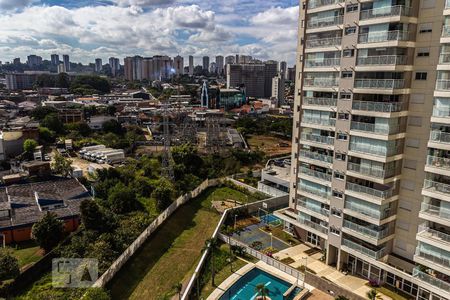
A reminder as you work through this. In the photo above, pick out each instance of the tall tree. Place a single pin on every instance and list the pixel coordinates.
(9, 265)
(62, 165)
(48, 232)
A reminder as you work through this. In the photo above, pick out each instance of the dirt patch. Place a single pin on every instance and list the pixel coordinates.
(270, 145)
(247, 222)
(221, 206)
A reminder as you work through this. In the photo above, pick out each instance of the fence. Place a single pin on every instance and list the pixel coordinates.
(129, 252)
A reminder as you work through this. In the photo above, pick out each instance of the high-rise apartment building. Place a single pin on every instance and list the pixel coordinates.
(34, 60)
(114, 65)
(213, 67)
(230, 60)
(219, 64)
(98, 65)
(205, 63)
(16, 61)
(54, 58)
(282, 69)
(370, 180)
(278, 85)
(133, 68)
(66, 62)
(178, 65)
(191, 65)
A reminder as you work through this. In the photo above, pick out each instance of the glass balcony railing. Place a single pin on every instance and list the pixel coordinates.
(312, 190)
(443, 84)
(440, 137)
(324, 42)
(326, 62)
(376, 150)
(447, 3)
(328, 140)
(325, 22)
(369, 127)
(316, 156)
(383, 194)
(444, 58)
(369, 211)
(384, 36)
(319, 3)
(371, 170)
(319, 101)
(435, 186)
(382, 60)
(322, 82)
(441, 112)
(433, 257)
(314, 208)
(364, 250)
(438, 162)
(437, 211)
(382, 12)
(434, 234)
(364, 230)
(379, 106)
(446, 31)
(434, 281)
(316, 174)
(387, 84)
(311, 224)
(318, 121)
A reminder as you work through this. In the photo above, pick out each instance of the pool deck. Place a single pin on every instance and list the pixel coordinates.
(227, 283)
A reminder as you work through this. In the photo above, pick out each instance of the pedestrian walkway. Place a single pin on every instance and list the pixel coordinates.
(302, 255)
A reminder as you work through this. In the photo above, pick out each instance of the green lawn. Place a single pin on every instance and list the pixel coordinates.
(390, 292)
(27, 253)
(171, 253)
(224, 193)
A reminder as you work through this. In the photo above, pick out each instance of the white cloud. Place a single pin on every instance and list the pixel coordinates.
(14, 4)
(143, 3)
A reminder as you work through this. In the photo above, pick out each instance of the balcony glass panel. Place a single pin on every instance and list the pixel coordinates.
(314, 188)
(387, 11)
(316, 156)
(323, 42)
(433, 254)
(325, 62)
(446, 31)
(325, 21)
(383, 194)
(319, 3)
(438, 162)
(438, 211)
(375, 128)
(440, 137)
(384, 36)
(426, 231)
(435, 186)
(316, 174)
(368, 209)
(321, 139)
(433, 280)
(314, 206)
(303, 219)
(373, 171)
(364, 250)
(379, 106)
(382, 60)
(319, 101)
(376, 147)
(388, 84)
(321, 82)
(366, 230)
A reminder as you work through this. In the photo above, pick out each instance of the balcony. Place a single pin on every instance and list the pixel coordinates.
(434, 258)
(382, 194)
(446, 31)
(444, 58)
(438, 162)
(319, 101)
(320, 139)
(315, 174)
(363, 250)
(322, 82)
(385, 84)
(383, 12)
(382, 60)
(443, 84)
(442, 112)
(322, 63)
(312, 190)
(323, 43)
(373, 128)
(440, 137)
(447, 4)
(371, 170)
(318, 3)
(316, 156)
(432, 280)
(314, 208)
(429, 233)
(437, 211)
(325, 22)
(384, 36)
(388, 107)
(370, 211)
(376, 150)
(318, 121)
(435, 186)
(366, 231)
(311, 224)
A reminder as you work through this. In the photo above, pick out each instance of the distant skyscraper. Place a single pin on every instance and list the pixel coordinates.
(191, 65)
(204, 94)
(278, 84)
(61, 68)
(219, 64)
(16, 61)
(114, 64)
(230, 60)
(133, 68)
(205, 63)
(178, 65)
(213, 67)
(54, 59)
(34, 60)
(66, 62)
(98, 65)
(291, 74)
(282, 69)
(244, 59)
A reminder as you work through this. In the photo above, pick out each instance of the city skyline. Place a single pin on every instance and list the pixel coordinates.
(104, 29)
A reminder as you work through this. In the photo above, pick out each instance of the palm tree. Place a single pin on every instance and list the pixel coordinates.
(262, 290)
(213, 245)
(373, 295)
(178, 287)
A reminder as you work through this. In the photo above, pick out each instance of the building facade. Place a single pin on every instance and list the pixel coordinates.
(205, 63)
(370, 178)
(178, 65)
(114, 65)
(191, 65)
(98, 65)
(133, 68)
(66, 62)
(54, 59)
(219, 64)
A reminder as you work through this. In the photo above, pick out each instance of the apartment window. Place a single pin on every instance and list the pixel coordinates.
(342, 136)
(350, 30)
(410, 164)
(340, 156)
(346, 96)
(423, 52)
(339, 175)
(343, 116)
(338, 194)
(415, 121)
(296, 140)
(352, 7)
(428, 4)
(425, 27)
(347, 74)
(335, 231)
(336, 212)
(348, 53)
(421, 75)
(412, 143)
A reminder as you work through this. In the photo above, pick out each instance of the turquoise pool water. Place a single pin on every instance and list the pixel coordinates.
(244, 288)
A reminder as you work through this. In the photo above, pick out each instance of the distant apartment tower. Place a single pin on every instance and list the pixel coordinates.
(178, 65)
(291, 74)
(370, 175)
(34, 61)
(98, 65)
(278, 85)
(230, 60)
(16, 61)
(219, 64)
(282, 69)
(256, 78)
(243, 59)
(66, 62)
(205, 63)
(157, 67)
(54, 58)
(191, 65)
(61, 68)
(114, 65)
(133, 68)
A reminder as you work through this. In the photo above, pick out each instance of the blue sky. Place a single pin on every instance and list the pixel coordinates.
(102, 28)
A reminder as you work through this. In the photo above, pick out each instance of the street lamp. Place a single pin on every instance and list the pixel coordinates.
(235, 216)
(271, 240)
(230, 261)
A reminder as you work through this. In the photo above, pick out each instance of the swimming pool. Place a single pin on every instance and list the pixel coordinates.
(244, 288)
(270, 219)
